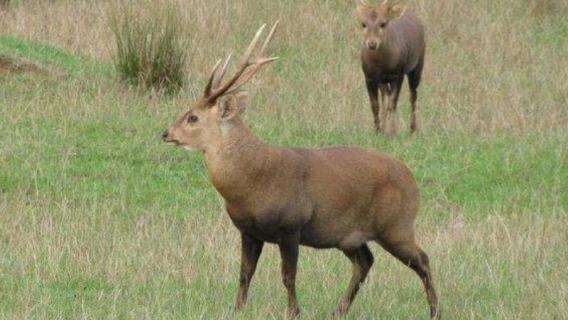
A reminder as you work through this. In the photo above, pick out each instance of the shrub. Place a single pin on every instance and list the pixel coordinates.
(150, 48)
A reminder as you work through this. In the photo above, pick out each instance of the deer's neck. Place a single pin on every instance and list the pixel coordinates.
(239, 163)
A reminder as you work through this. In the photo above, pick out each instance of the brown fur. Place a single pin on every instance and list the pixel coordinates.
(338, 197)
(394, 46)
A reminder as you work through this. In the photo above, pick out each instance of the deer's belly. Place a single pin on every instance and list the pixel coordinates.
(385, 77)
(265, 226)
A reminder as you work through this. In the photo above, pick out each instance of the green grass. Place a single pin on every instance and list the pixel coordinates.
(57, 59)
(98, 160)
(101, 220)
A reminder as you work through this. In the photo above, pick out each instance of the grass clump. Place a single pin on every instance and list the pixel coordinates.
(150, 48)
(4, 4)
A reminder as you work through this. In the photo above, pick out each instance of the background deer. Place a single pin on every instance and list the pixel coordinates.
(393, 46)
(340, 197)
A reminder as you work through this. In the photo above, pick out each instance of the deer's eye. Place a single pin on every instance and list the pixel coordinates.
(363, 25)
(383, 25)
(192, 119)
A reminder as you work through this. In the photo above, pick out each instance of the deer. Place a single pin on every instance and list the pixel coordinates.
(333, 197)
(393, 46)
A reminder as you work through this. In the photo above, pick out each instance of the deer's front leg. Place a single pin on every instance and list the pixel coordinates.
(395, 87)
(373, 91)
(250, 252)
(289, 248)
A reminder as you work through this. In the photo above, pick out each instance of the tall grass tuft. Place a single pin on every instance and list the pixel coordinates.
(4, 4)
(150, 47)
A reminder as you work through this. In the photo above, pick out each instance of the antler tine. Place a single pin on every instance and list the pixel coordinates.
(260, 61)
(268, 38)
(245, 62)
(252, 45)
(250, 73)
(211, 78)
(222, 73)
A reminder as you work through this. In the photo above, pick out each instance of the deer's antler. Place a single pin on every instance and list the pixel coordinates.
(247, 69)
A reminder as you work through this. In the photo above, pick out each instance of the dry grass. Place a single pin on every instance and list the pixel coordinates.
(100, 265)
(491, 68)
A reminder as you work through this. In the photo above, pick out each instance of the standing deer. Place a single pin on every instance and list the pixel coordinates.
(393, 47)
(338, 197)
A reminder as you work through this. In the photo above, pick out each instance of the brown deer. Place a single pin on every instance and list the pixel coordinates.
(339, 197)
(393, 46)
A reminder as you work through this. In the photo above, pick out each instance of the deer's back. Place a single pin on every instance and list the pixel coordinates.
(409, 33)
(352, 173)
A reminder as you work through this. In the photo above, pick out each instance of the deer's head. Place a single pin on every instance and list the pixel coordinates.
(222, 102)
(374, 21)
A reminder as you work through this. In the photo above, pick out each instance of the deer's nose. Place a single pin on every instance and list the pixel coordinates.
(371, 44)
(165, 135)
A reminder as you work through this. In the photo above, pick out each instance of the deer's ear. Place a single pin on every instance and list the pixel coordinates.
(235, 104)
(361, 7)
(396, 11)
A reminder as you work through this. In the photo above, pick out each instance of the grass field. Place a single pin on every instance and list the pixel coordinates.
(101, 220)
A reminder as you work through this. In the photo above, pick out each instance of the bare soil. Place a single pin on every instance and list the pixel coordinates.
(11, 65)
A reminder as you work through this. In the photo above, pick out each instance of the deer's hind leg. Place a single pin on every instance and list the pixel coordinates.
(385, 96)
(409, 253)
(414, 78)
(362, 260)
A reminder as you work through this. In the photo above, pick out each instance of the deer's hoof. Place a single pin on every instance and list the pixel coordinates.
(413, 128)
(293, 313)
(341, 310)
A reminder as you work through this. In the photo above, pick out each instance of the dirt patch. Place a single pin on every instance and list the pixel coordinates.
(11, 65)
